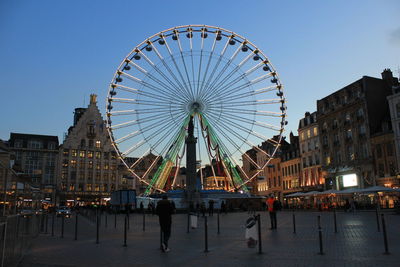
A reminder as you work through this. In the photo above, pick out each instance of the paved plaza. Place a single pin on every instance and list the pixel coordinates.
(356, 243)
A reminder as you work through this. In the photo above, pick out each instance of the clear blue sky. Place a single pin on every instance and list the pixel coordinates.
(54, 54)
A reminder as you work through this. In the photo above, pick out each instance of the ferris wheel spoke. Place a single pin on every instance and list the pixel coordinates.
(230, 74)
(247, 94)
(247, 121)
(177, 68)
(145, 84)
(181, 87)
(249, 112)
(227, 87)
(174, 87)
(202, 84)
(200, 63)
(232, 158)
(218, 126)
(138, 121)
(184, 65)
(222, 71)
(221, 56)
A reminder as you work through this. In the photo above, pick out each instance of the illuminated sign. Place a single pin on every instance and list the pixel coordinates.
(350, 180)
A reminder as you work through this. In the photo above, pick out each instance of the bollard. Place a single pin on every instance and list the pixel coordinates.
(52, 226)
(188, 221)
(294, 222)
(106, 222)
(47, 223)
(218, 222)
(62, 226)
(321, 250)
(161, 240)
(259, 234)
(377, 219)
(125, 230)
(205, 235)
(76, 226)
(42, 223)
(384, 236)
(334, 220)
(115, 220)
(144, 221)
(97, 229)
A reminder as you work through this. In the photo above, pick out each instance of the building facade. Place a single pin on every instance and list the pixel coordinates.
(36, 159)
(291, 166)
(312, 177)
(89, 169)
(394, 106)
(347, 119)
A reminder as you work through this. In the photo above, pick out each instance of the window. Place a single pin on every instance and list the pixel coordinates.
(350, 152)
(325, 126)
(82, 164)
(349, 134)
(308, 133)
(90, 154)
(389, 149)
(82, 153)
(36, 144)
(74, 153)
(65, 163)
(348, 117)
(381, 170)
(66, 152)
(362, 129)
(360, 112)
(83, 142)
(90, 143)
(90, 165)
(378, 151)
(88, 187)
(106, 166)
(51, 145)
(82, 175)
(335, 124)
(106, 155)
(364, 150)
(315, 131)
(73, 163)
(338, 157)
(302, 136)
(98, 144)
(18, 143)
(98, 155)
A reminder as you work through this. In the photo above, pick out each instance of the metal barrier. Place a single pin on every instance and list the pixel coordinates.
(16, 235)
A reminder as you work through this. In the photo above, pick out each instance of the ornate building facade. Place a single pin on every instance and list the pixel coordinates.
(89, 169)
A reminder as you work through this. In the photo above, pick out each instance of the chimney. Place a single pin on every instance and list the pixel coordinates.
(93, 99)
(387, 76)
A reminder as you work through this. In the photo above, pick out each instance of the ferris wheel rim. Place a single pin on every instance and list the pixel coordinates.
(186, 29)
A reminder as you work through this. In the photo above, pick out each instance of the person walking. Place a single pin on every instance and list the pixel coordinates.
(272, 211)
(210, 207)
(164, 211)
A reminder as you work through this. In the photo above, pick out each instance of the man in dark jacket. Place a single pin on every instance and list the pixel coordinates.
(164, 211)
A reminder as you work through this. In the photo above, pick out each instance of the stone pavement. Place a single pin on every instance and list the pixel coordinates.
(357, 242)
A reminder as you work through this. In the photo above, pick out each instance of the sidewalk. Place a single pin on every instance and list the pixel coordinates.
(357, 243)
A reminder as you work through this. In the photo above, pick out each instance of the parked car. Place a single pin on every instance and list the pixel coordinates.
(64, 211)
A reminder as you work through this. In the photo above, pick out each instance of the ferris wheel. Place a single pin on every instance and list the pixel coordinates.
(210, 77)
